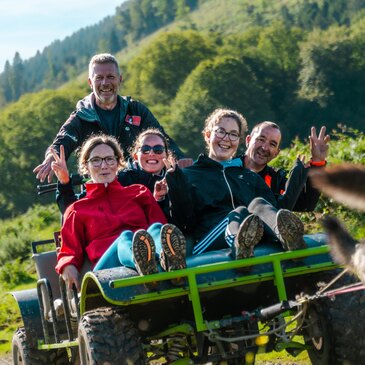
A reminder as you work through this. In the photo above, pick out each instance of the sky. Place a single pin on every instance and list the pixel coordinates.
(30, 25)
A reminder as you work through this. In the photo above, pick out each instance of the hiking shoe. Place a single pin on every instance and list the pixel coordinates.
(290, 230)
(144, 253)
(249, 235)
(173, 245)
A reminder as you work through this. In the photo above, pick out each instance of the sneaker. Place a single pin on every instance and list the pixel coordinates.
(173, 248)
(144, 253)
(290, 230)
(249, 235)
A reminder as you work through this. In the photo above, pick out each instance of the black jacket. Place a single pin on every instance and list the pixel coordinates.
(203, 194)
(294, 190)
(84, 121)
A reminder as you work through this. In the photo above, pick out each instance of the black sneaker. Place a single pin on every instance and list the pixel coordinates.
(249, 235)
(173, 248)
(144, 253)
(290, 230)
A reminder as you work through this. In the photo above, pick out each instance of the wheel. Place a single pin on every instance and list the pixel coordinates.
(108, 336)
(25, 355)
(336, 331)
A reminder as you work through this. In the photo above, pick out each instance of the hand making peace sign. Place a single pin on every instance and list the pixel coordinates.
(59, 165)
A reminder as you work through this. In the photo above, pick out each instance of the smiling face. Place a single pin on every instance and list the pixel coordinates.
(106, 172)
(105, 82)
(222, 149)
(262, 147)
(151, 161)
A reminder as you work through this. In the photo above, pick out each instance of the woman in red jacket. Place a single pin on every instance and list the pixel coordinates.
(92, 225)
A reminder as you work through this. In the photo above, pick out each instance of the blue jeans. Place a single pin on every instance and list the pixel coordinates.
(120, 252)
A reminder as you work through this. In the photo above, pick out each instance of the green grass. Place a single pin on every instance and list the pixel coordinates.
(10, 318)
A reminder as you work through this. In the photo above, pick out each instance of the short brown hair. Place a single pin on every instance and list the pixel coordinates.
(266, 123)
(94, 141)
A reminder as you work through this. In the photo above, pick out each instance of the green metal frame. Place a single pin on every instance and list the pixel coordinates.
(193, 289)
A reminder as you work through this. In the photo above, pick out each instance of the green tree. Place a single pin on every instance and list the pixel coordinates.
(5, 84)
(272, 53)
(27, 128)
(17, 77)
(333, 73)
(223, 82)
(158, 71)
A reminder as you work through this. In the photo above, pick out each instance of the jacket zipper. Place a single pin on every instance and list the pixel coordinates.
(229, 188)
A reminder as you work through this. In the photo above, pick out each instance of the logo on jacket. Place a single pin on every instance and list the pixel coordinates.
(133, 119)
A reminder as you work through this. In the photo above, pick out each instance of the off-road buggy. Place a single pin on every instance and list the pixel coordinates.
(223, 312)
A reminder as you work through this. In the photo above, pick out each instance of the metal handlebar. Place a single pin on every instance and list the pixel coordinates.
(76, 179)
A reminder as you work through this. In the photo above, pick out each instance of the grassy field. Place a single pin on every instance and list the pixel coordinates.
(9, 318)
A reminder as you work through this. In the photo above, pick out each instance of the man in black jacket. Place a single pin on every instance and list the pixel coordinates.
(263, 145)
(103, 111)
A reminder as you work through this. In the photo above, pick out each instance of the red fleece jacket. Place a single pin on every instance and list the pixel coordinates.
(93, 223)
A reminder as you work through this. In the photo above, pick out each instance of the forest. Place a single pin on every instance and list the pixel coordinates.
(298, 63)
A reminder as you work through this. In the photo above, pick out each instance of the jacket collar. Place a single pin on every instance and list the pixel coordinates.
(94, 190)
(85, 108)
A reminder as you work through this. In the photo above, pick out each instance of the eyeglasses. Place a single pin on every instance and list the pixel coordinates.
(221, 133)
(98, 161)
(158, 149)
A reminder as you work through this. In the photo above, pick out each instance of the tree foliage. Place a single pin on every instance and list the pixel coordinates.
(27, 129)
(332, 73)
(222, 82)
(159, 69)
(298, 63)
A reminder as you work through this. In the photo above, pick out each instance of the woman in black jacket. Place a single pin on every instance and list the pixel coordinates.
(219, 202)
(147, 168)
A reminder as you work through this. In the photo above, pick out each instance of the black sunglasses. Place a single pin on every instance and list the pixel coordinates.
(158, 149)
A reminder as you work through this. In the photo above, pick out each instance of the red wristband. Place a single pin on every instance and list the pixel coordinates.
(317, 163)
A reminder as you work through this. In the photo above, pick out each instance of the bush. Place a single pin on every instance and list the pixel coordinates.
(17, 234)
(347, 145)
(15, 273)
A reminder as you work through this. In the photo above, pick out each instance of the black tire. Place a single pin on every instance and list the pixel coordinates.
(108, 336)
(337, 331)
(23, 354)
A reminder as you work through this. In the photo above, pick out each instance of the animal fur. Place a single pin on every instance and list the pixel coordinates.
(346, 184)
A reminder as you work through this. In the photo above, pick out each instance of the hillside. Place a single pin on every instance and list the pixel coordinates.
(298, 63)
(135, 20)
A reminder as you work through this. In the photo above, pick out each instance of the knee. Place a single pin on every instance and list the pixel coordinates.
(256, 203)
(238, 214)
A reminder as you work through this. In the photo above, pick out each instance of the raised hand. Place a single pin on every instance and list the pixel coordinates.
(170, 164)
(160, 190)
(44, 169)
(59, 165)
(303, 160)
(319, 145)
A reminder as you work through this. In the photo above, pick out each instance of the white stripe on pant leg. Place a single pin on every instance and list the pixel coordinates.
(210, 237)
(229, 237)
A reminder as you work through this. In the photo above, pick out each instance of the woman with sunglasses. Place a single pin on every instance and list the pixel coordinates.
(222, 204)
(95, 224)
(147, 168)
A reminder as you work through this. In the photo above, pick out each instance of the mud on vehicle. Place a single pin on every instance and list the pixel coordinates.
(223, 312)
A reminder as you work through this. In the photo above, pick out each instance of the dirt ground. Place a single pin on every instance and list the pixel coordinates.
(6, 360)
